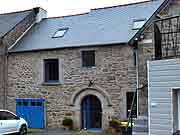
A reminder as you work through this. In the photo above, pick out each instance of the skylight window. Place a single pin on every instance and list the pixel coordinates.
(60, 33)
(137, 24)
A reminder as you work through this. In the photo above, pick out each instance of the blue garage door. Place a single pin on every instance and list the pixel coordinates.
(32, 110)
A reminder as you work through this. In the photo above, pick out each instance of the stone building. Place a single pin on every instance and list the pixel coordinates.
(12, 27)
(86, 67)
(83, 66)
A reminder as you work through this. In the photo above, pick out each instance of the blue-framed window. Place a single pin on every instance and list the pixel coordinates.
(51, 70)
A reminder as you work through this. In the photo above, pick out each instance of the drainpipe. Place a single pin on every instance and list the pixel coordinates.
(5, 68)
(3, 81)
(137, 72)
(3, 76)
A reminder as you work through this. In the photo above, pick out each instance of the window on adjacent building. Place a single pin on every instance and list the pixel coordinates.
(88, 58)
(51, 70)
(60, 33)
(137, 24)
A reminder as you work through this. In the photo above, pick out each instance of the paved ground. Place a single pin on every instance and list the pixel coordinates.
(53, 132)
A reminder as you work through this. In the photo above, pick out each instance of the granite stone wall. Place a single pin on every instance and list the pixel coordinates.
(113, 76)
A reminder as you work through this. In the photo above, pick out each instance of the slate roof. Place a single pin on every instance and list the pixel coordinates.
(104, 26)
(9, 20)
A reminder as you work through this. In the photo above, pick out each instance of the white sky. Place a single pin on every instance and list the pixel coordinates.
(59, 7)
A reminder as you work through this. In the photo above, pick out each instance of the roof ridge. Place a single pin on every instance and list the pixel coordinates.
(79, 14)
(123, 5)
(84, 13)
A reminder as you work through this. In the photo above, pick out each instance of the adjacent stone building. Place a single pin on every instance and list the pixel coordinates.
(12, 27)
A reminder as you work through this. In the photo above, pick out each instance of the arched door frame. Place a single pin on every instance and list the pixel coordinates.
(106, 104)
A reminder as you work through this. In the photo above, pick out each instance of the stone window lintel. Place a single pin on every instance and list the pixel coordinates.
(51, 83)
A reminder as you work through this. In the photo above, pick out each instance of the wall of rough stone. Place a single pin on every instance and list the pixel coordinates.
(114, 73)
(172, 9)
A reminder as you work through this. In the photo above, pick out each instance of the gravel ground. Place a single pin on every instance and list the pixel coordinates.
(57, 132)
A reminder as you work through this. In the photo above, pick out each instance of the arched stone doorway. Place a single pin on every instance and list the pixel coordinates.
(91, 113)
(76, 102)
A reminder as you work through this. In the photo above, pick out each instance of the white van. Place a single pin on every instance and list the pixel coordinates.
(11, 123)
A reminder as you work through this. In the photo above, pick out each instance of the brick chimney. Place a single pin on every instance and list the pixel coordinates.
(13, 36)
(40, 14)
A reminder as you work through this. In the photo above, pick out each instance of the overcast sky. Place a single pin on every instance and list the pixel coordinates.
(59, 7)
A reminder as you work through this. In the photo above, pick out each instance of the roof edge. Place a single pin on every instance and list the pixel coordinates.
(78, 46)
(56, 17)
(32, 12)
(20, 11)
(122, 5)
(17, 24)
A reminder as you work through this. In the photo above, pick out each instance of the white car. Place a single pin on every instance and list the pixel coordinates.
(11, 123)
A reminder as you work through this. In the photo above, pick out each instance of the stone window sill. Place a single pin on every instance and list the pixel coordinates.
(51, 83)
(88, 68)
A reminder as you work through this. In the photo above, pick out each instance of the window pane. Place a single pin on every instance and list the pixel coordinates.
(88, 58)
(60, 33)
(7, 116)
(51, 70)
(25, 103)
(19, 103)
(1, 115)
(138, 24)
(33, 104)
(39, 104)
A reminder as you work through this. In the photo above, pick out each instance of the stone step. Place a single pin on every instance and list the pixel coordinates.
(140, 128)
(141, 122)
(141, 125)
(143, 117)
(137, 133)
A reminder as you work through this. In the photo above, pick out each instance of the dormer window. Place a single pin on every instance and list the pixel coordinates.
(60, 33)
(137, 24)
